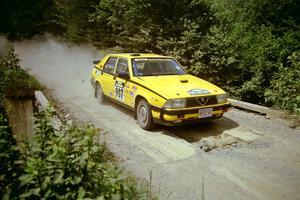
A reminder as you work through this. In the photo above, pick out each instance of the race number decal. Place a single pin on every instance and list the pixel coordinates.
(119, 90)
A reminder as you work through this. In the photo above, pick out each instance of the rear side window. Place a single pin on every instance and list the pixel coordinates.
(122, 66)
(110, 65)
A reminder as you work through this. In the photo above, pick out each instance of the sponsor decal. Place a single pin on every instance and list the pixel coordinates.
(134, 88)
(131, 93)
(198, 91)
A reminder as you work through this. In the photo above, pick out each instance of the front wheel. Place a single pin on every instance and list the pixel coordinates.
(144, 115)
(99, 94)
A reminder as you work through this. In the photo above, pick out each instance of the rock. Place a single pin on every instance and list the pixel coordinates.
(275, 114)
(214, 142)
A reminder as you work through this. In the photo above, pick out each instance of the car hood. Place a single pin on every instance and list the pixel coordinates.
(179, 86)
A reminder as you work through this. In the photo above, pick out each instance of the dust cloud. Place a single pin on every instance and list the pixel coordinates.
(56, 58)
(70, 64)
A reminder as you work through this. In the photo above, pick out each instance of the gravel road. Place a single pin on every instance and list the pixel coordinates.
(240, 156)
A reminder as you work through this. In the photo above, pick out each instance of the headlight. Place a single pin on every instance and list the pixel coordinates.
(222, 98)
(175, 103)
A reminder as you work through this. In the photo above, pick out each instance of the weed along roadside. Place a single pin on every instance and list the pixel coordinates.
(66, 165)
(62, 162)
(17, 97)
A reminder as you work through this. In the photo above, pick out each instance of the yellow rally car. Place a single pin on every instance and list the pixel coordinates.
(157, 89)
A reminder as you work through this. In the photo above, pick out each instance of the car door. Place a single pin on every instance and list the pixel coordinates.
(122, 83)
(108, 77)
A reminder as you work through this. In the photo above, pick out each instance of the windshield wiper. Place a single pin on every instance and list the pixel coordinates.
(160, 74)
(170, 73)
(152, 74)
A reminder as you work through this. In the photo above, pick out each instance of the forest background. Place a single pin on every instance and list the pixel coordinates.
(249, 48)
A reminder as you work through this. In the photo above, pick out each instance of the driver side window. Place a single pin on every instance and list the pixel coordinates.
(122, 66)
(110, 65)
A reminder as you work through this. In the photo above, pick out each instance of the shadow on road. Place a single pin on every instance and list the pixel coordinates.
(191, 133)
(195, 132)
(120, 108)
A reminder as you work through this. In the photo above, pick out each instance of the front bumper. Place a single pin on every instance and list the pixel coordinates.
(188, 116)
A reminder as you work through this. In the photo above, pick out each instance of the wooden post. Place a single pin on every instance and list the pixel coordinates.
(19, 110)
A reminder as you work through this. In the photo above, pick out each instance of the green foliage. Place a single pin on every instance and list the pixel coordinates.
(14, 80)
(285, 85)
(242, 46)
(11, 165)
(23, 19)
(248, 49)
(64, 165)
(72, 15)
(137, 25)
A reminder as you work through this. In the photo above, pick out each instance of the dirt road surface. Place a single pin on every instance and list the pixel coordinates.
(241, 156)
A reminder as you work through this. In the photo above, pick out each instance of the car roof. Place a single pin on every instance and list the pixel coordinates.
(138, 55)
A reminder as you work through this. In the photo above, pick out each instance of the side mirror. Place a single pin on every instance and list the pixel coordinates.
(95, 62)
(124, 76)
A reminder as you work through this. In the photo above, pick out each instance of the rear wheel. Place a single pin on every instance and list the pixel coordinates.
(99, 93)
(144, 116)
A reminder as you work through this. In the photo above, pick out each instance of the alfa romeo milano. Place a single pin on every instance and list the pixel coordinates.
(157, 89)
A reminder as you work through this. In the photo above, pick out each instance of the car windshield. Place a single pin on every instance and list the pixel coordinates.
(156, 66)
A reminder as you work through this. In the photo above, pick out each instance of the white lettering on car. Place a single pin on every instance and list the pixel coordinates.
(119, 90)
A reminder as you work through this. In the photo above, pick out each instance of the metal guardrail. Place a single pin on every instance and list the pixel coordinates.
(249, 106)
(43, 104)
(270, 113)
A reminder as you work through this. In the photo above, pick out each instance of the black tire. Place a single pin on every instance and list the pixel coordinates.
(99, 94)
(144, 115)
